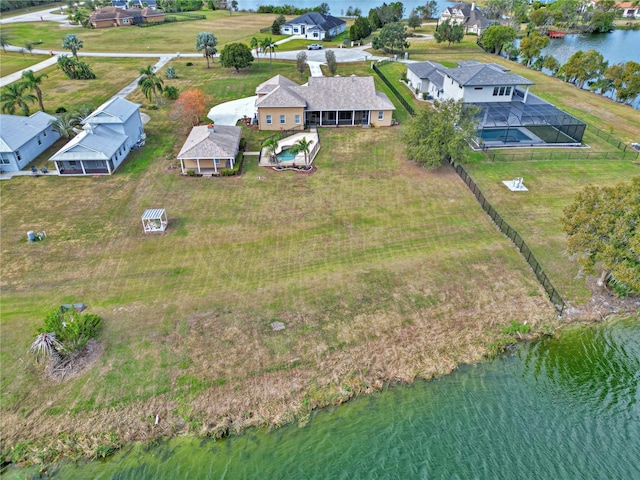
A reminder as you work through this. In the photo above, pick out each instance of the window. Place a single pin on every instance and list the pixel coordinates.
(508, 91)
(44, 132)
(501, 91)
(18, 155)
(380, 115)
(39, 140)
(268, 119)
(297, 119)
(4, 159)
(283, 119)
(495, 91)
(216, 161)
(295, 29)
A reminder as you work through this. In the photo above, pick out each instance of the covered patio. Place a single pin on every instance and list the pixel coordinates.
(328, 118)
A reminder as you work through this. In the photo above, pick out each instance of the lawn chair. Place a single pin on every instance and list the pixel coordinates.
(35, 171)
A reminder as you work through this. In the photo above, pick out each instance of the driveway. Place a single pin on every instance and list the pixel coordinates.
(229, 113)
(42, 15)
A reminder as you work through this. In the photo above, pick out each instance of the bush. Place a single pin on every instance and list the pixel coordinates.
(61, 110)
(191, 173)
(170, 73)
(73, 329)
(189, 64)
(243, 144)
(171, 92)
(151, 107)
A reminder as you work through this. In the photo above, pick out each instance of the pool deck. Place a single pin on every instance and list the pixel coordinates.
(312, 137)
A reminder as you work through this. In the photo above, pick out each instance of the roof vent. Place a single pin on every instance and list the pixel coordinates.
(211, 128)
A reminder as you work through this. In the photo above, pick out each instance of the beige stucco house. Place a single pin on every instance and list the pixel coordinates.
(323, 101)
(117, 17)
(209, 149)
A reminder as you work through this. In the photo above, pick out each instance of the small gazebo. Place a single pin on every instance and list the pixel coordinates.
(154, 220)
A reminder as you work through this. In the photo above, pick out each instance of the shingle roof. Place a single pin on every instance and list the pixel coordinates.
(424, 69)
(96, 143)
(484, 75)
(271, 84)
(115, 110)
(326, 22)
(16, 130)
(472, 16)
(282, 96)
(222, 142)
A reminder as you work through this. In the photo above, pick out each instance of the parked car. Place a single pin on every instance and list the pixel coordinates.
(314, 46)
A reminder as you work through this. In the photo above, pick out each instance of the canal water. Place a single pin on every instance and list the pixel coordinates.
(339, 8)
(561, 408)
(619, 46)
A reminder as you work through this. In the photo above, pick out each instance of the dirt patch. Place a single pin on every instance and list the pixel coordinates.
(76, 363)
(603, 302)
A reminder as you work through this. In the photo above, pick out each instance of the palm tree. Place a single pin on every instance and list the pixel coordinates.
(150, 83)
(33, 81)
(254, 44)
(303, 145)
(271, 145)
(13, 97)
(65, 124)
(267, 44)
(73, 43)
(45, 345)
(4, 41)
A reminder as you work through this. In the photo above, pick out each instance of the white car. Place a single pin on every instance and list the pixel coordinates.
(314, 46)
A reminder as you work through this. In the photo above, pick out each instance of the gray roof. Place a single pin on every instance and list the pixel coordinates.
(271, 84)
(93, 143)
(222, 142)
(115, 110)
(472, 16)
(329, 93)
(325, 22)
(16, 130)
(424, 69)
(484, 75)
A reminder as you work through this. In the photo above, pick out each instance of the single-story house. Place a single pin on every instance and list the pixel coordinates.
(22, 139)
(469, 16)
(210, 148)
(117, 17)
(314, 26)
(629, 10)
(323, 101)
(108, 136)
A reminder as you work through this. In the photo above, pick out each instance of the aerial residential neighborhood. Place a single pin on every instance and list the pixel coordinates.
(228, 218)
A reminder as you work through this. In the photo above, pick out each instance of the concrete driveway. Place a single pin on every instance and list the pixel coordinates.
(229, 113)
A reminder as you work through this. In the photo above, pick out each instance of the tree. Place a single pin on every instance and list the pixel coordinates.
(625, 79)
(170, 73)
(449, 32)
(301, 62)
(441, 133)
(323, 8)
(494, 38)
(332, 64)
(414, 20)
(190, 106)
(531, 46)
(65, 124)
(171, 92)
(13, 97)
(360, 29)
(73, 43)
(75, 69)
(271, 145)
(236, 55)
(267, 44)
(4, 41)
(392, 37)
(602, 229)
(584, 66)
(541, 16)
(150, 83)
(206, 43)
(254, 44)
(374, 19)
(302, 146)
(33, 82)
(550, 63)
(45, 346)
(429, 10)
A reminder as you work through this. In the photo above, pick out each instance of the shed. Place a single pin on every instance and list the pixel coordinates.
(154, 220)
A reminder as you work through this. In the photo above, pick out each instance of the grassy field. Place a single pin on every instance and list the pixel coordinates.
(11, 62)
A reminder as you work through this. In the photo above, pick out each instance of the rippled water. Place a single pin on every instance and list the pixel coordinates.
(560, 408)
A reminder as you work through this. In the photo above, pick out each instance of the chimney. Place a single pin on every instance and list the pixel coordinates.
(473, 6)
(211, 128)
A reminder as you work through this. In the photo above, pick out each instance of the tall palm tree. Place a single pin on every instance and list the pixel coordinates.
(302, 145)
(267, 44)
(33, 81)
(13, 97)
(254, 44)
(150, 83)
(73, 43)
(271, 145)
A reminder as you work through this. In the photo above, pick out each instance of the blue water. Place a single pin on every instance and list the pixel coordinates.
(558, 408)
(504, 135)
(286, 156)
(338, 7)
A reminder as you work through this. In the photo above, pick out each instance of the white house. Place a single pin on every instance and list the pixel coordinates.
(426, 77)
(107, 137)
(467, 15)
(314, 26)
(629, 10)
(22, 139)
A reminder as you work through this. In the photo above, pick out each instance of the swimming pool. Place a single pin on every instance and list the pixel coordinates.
(506, 135)
(286, 156)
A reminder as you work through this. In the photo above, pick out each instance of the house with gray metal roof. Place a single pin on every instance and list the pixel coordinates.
(314, 26)
(22, 139)
(107, 137)
(209, 149)
(323, 101)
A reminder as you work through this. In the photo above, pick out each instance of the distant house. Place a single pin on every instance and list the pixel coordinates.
(106, 17)
(153, 4)
(314, 26)
(469, 16)
(210, 148)
(22, 139)
(628, 9)
(323, 101)
(107, 137)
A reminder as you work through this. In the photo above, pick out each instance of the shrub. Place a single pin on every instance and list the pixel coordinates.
(170, 73)
(151, 107)
(191, 173)
(189, 64)
(61, 110)
(72, 329)
(171, 92)
(243, 144)
(516, 327)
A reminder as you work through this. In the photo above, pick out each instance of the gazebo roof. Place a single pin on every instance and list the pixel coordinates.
(153, 213)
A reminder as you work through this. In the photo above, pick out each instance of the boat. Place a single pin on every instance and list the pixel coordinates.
(556, 34)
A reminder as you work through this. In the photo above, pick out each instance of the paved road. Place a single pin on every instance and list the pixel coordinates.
(42, 15)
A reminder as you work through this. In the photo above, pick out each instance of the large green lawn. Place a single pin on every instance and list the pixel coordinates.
(11, 62)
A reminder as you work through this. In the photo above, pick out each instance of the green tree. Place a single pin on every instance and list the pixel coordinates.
(584, 66)
(271, 146)
(73, 43)
(449, 32)
(414, 20)
(429, 10)
(268, 44)
(602, 226)
(323, 8)
(531, 46)
(441, 133)
(360, 29)
(332, 64)
(301, 62)
(65, 124)
(150, 83)
(541, 17)
(254, 44)
(374, 19)
(33, 82)
(550, 63)
(13, 97)
(206, 43)
(392, 38)
(75, 69)
(625, 79)
(4, 41)
(302, 146)
(236, 55)
(171, 92)
(494, 38)
(170, 73)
